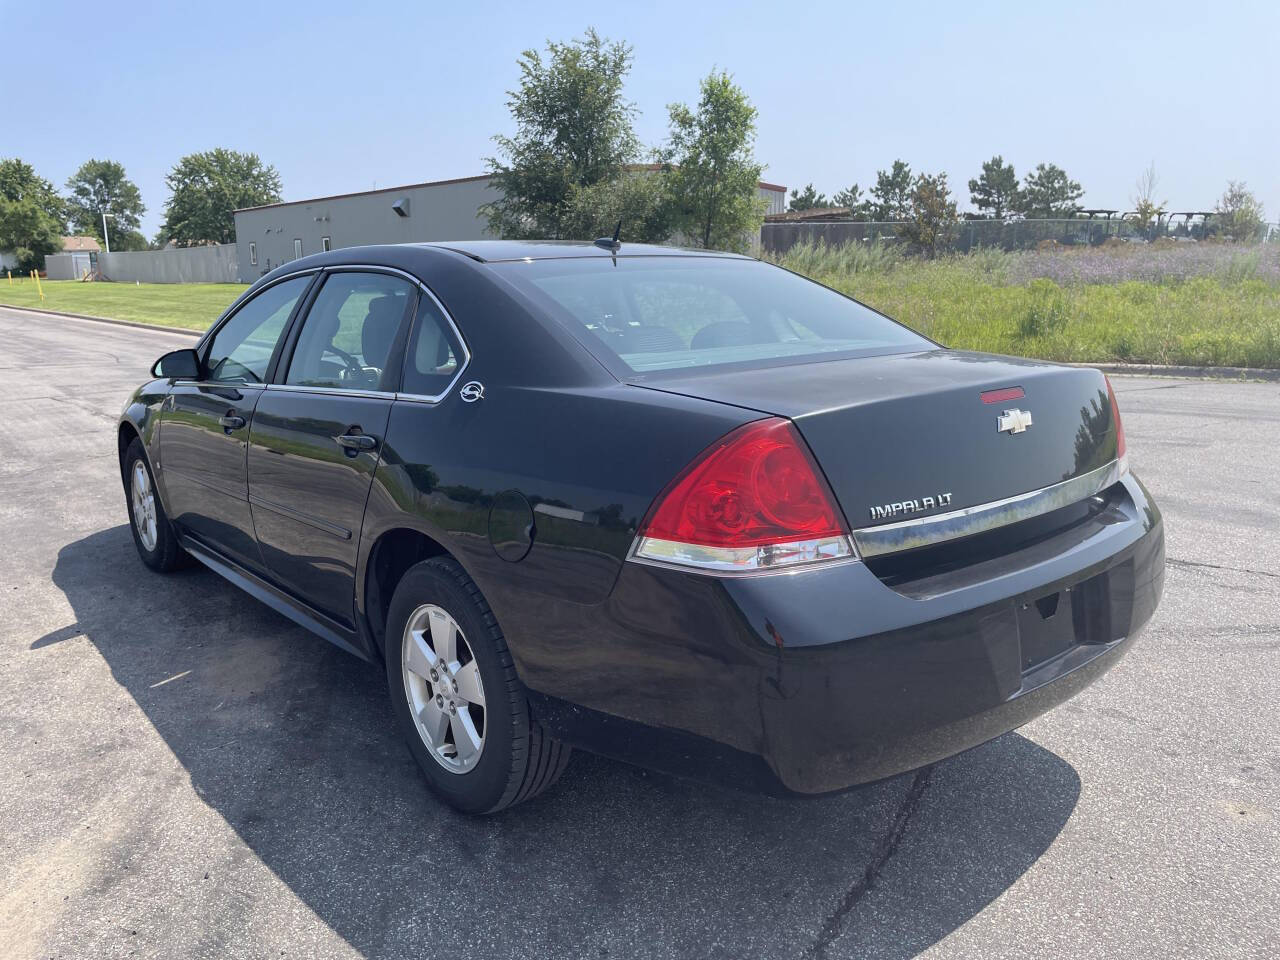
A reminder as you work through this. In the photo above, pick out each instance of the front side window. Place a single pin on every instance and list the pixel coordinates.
(646, 315)
(240, 351)
(434, 353)
(347, 337)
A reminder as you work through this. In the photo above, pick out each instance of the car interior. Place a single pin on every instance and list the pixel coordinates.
(345, 342)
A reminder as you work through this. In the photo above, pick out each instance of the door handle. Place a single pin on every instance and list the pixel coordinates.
(357, 441)
(231, 422)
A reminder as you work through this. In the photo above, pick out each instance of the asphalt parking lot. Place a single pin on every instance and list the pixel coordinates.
(184, 772)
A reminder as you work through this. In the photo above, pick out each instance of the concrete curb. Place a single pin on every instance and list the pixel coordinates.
(1185, 372)
(118, 323)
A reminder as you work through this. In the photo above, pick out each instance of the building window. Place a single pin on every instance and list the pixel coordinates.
(253, 254)
(297, 248)
(325, 245)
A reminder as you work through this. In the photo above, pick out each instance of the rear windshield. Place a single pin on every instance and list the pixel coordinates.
(651, 314)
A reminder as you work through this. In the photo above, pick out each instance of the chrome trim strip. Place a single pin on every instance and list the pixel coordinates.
(330, 391)
(220, 384)
(926, 531)
(789, 569)
(738, 560)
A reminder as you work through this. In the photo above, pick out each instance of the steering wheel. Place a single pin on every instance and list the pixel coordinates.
(355, 369)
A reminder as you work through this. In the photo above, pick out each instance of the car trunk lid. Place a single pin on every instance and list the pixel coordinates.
(908, 435)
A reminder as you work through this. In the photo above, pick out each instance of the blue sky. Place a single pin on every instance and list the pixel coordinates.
(341, 96)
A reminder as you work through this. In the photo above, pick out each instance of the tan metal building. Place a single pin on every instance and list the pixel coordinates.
(276, 233)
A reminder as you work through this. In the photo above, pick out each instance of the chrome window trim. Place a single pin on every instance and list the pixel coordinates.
(222, 384)
(330, 391)
(338, 391)
(448, 318)
(939, 528)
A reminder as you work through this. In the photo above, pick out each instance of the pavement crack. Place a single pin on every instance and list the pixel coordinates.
(833, 926)
(1215, 566)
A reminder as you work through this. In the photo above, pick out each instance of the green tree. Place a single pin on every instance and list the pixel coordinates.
(573, 130)
(205, 190)
(859, 206)
(849, 197)
(19, 180)
(32, 217)
(1239, 212)
(996, 191)
(640, 199)
(1049, 194)
(933, 214)
(98, 187)
(715, 176)
(892, 193)
(808, 199)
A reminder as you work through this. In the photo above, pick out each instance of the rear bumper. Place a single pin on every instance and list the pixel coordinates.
(819, 680)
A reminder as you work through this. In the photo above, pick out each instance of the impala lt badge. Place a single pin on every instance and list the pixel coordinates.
(472, 391)
(1013, 421)
(910, 506)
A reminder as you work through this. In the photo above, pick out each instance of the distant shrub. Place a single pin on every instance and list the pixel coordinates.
(1241, 267)
(1045, 313)
(991, 263)
(818, 259)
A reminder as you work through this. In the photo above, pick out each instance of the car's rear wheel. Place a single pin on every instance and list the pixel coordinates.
(456, 695)
(153, 535)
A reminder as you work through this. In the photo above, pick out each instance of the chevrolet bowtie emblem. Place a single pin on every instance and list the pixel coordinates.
(1013, 421)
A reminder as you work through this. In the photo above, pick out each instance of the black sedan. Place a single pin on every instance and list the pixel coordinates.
(681, 508)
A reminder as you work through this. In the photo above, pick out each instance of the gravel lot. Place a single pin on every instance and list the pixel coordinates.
(183, 772)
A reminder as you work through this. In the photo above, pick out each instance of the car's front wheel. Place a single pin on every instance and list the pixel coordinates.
(456, 695)
(152, 533)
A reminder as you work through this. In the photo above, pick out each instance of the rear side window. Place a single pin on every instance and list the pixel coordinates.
(240, 351)
(348, 335)
(434, 356)
(652, 314)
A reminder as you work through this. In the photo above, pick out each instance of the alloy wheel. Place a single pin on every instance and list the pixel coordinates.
(143, 498)
(442, 683)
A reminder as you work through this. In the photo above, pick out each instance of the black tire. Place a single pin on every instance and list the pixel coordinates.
(519, 758)
(166, 555)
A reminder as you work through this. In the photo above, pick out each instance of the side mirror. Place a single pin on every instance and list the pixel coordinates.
(178, 364)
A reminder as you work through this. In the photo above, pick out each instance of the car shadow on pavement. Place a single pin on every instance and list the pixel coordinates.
(291, 741)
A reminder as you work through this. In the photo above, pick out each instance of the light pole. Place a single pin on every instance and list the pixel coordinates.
(105, 238)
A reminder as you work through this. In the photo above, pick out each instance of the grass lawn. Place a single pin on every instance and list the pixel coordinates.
(191, 305)
(1213, 306)
(1210, 304)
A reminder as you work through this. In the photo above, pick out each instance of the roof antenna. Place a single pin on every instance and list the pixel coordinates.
(610, 243)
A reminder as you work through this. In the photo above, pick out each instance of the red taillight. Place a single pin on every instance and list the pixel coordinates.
(754, 499)
(1115, 415)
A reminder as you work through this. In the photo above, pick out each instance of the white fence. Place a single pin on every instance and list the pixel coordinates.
(212, 264)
